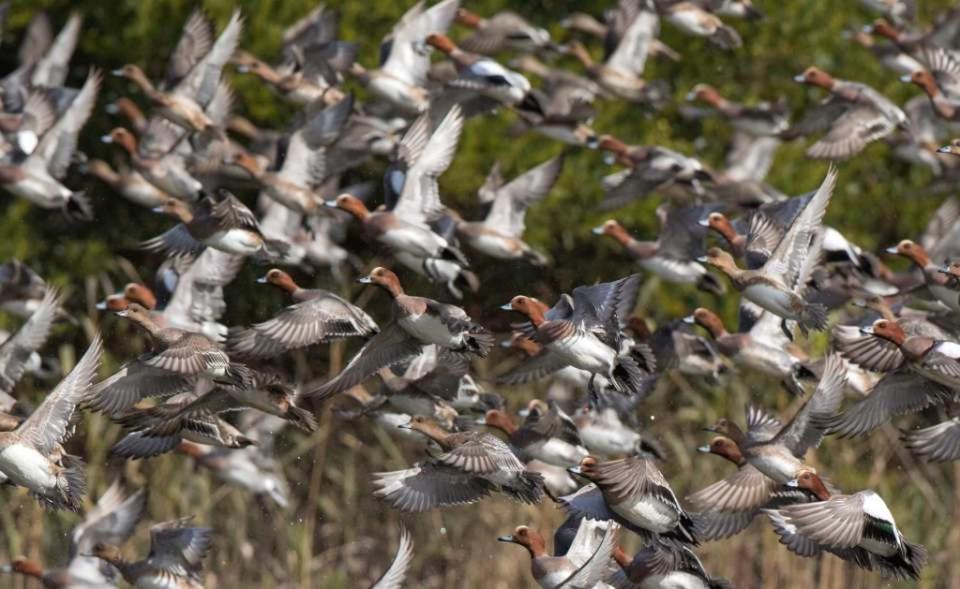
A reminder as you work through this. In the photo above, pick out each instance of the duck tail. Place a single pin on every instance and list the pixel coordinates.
(813, 316)
(468, 279)
(136, 445)
(643, 355)
(302, 418)
(726, 37)
(710, 283)
(71, 485)
(527, 487)
(535, 257)
(78, 207)
(480, 342)
(905, 564)
(275, 250)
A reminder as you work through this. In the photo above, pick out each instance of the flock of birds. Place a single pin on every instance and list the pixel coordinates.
(220, 394)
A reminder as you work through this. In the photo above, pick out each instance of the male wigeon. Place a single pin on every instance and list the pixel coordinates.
(633, 492)
(585, 331)
(31, 456)
(472, 465)
(401, 78)
(938, 283)
(854, 115)
(223, 223)
(918, 369)
(780, 456)
(500, 234)
(673, 256)
(184, 105)
(604, 433)
(779, 286)
(547, 434)
(503, 30)
(176, 554)
(317, 316)
(130, 184)
(485, 76)
(858, 528)
(165, 169)
(585, 562)
(418, 321)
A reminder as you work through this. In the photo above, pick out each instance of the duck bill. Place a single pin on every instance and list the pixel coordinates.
(262, 280)
(689, 320)
(945, 149)
(117, 72)
(891, 250)
(106, 139)
(704, 222)
(905, 79)
(866, 330)
(703, 259)
(330, 204)
(597, 230)
(704, 449)
(798, 78)
(792, 483)
(710, 428)
(365, 280)
(101, 306)
(123, 313)
(510, 539)
(575, 470)
(507, 307)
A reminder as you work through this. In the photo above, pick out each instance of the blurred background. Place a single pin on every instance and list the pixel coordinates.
(333, 533)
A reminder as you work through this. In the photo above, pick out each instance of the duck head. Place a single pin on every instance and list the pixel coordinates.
(350, 204)
(140, 294)
(884, 29)
(724, 447)
(136, 313)
(924, 80)
(721, 224)
(468, 18)
(108, 552)
(811, 481)
(529, 538)
(280, 279)
(888, 330)
(707, 94)
(127, 108)
(114, 302)
(727, 428)
(27, 567)
(614, 229)
(498, 419)
(176, 208)
(527, 306)
(719, 258)
(815, 76)
(426, 426)
(912, 251)
(613, 145)
(708, 320)
(123, 138)
(383, 278)
(247, 63)
(441, 42)
(245, 161)
(587, 467)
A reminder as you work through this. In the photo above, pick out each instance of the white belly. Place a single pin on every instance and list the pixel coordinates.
(399, 93)
(429, 329)
(586, 352)
(689, 21)
(415, 240)
(495, 246)
(609, 440)
(553, 579)
(768, 360)
(26, 467)
(674, 580)
(158, 582)
(648, 514)
(775, 300)
(674, 270)
(236, 241)
(778, 467)
(557, 452)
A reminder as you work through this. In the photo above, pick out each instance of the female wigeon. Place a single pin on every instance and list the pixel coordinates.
(635, 493)
(780, 285)
(185, 104)
(854, 115)
(584, 564)
(472, 465)
(417, 322)
(940, 80)
(603, 432)
(694, 20)
(176, 554)
(317, 316)
(31, 455)
(503, 30)
(547, 434)
(225, 224)
(673, 255)
(858, 528)
(500, 234)
(130, 184)
(166, 170)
